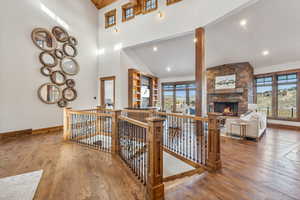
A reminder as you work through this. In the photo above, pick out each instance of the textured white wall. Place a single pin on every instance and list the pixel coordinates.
(20, 77)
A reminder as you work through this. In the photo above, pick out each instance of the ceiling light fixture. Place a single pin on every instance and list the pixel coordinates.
(101, 51)
(243, 22)
(195, 40)
(168, 69)
(118, 46)
(155, 48)
(265, 53)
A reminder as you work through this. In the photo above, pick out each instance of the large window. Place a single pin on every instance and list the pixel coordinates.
(149, 5)
(277, 96)
(128, 12)
(179, 97)
(110, 18)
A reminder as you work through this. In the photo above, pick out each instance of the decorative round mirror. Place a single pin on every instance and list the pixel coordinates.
(46, 71)
(60, 34)
(48, 59)
(69, 94)
(73, 41)
(70, 83)
(62, 103)
(43, 39)
(49, 93)
(70, 50)
(58, 78)
(59, 53)
(69, 66)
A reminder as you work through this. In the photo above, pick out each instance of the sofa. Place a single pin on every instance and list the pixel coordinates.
(256, 125)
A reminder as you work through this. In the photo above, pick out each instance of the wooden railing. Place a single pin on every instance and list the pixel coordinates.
(140, 137)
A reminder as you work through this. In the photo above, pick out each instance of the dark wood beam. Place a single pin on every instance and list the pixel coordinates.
(102, 3)
(200, 64)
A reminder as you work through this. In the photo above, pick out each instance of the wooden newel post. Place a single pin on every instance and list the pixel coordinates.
(67, 124)
(115, 131)
(214, 148)
(155, 186)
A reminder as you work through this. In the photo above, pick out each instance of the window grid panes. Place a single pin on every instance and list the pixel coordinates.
(111, 20)
(129, 12)
(150, 5)
(179, 97)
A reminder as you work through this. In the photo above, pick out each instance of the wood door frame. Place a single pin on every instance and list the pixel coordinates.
(102, 91)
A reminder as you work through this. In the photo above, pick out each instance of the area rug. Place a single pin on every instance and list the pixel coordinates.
(20, 187)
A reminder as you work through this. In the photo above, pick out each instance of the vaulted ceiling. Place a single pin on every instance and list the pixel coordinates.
(102, 3)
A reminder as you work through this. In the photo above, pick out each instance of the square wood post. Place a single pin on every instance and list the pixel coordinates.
(67, 124)
(213, 161)
(155, 186)
(115, 131)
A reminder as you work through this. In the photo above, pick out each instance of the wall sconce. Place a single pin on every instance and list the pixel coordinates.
(161, 15)
(116, 30)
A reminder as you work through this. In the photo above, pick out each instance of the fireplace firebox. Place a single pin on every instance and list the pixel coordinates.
(226, 108)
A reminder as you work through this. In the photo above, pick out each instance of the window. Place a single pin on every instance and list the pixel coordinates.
(110, 18)
(128, 12)
(287, 96)
(169, 2)
(264, 95)
(149, 5)
(179, 97)
(276, 95)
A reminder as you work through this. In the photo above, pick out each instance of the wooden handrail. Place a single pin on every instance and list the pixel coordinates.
(133, 121)
(205, 119)
(137, 111)
(90, 113)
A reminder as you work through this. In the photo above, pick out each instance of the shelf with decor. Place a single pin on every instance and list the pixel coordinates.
(142, 89)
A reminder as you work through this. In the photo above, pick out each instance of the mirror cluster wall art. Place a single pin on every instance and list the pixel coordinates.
(58, 62)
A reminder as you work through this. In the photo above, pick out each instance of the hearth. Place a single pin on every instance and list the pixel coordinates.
(226, 108)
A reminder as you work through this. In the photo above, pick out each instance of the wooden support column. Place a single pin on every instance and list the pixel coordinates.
(115, 131)
(155, 186)
(200, 65)
(213, 161)
(67, 125)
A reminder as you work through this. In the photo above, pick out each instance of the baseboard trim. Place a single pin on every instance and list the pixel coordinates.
(30, 132)
(283, 126)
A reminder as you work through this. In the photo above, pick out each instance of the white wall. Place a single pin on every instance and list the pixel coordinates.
(20, 78)
(179, 18)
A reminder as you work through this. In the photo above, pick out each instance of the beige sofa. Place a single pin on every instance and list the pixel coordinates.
(256, 125)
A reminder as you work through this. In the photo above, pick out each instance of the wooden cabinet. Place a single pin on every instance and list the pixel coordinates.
(136, 82)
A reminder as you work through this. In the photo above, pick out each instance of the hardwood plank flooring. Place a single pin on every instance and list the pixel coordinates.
(250, 170)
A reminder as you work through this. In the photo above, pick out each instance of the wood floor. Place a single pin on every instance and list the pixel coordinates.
(255, 171)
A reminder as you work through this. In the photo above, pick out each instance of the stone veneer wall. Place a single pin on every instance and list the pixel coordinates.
(243, 93)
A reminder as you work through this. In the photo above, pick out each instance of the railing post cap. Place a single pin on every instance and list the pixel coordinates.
(155, 119)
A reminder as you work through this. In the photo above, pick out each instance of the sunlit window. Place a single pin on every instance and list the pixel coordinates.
(110, 18)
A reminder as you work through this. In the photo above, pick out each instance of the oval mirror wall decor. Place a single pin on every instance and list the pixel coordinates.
(58, 47)
(59, 53)
(49, 93)
(70, 50)
(43, 39)
(58, 78)
(46, 71)
(70, 83)
(69, 94)
(73, 41)
(48, 59)
(60, 34)
(69, 66)
(62, 103)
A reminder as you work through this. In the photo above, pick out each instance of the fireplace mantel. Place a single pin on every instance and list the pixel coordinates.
(226, 91)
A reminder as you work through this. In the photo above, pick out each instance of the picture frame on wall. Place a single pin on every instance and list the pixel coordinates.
(225, 82)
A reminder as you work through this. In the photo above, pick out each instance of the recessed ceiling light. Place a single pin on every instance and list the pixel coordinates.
(243, 22)
(195, 40)
(168, 69)
(101, 51)
(154, 48)
(265, 53)
(118, 47)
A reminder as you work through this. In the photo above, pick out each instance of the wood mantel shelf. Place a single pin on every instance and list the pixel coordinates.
(226, 91)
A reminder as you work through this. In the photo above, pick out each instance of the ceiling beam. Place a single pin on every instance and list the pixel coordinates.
(102, 3)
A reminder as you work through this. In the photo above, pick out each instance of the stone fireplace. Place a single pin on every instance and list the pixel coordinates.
(233, 101)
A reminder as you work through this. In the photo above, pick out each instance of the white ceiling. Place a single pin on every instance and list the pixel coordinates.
(272, 25)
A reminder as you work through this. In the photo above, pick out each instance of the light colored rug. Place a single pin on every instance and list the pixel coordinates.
(20, 187)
